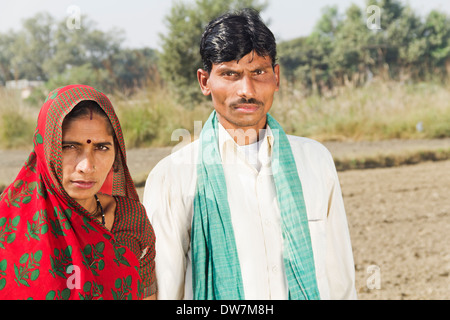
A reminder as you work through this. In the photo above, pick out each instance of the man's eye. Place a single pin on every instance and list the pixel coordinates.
(229, 73)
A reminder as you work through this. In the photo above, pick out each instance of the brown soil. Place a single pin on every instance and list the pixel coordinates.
(399, 215)
(399, 220)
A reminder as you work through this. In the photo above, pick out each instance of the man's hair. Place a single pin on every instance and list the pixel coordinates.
(234, 35)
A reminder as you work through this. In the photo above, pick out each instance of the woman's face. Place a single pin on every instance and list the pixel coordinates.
(87, 156)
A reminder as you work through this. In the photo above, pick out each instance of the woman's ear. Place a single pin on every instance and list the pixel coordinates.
(116, 163)
(203, 77)
(115, 168)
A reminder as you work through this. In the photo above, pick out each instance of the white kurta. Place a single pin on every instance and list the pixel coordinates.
(168, 198)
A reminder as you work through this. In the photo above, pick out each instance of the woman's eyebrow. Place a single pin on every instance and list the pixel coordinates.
(106, 143)
(71, 142)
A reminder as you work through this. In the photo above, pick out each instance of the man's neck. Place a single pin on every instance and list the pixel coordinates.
(244, 136)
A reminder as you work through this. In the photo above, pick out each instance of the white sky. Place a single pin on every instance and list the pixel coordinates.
(142, 20)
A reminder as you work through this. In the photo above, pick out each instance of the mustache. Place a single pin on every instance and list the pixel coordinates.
(247, 101)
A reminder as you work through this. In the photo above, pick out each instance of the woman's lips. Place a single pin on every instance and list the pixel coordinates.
(83, 184)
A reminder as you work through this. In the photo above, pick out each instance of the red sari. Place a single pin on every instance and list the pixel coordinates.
(51, 247)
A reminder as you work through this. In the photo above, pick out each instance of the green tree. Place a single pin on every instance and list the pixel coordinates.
(407, 37)
(437, 29)
(46, 49)
(83, 55)
(33, 46)
(180, 57)
(349, 58)
(342, 49)
(135, 68)
(6, 56)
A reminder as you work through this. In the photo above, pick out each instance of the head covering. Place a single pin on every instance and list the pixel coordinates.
(50, 246)
(216, 273)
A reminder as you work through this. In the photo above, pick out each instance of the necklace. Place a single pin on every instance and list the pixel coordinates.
(99, 206)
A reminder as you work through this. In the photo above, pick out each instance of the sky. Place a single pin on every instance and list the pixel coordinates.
(143, 20)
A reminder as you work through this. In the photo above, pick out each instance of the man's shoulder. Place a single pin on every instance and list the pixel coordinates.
(310, 154)
(175, 175)
(302, 144)
(182, 159)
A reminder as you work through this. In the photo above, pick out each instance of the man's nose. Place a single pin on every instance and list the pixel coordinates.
(246, 87)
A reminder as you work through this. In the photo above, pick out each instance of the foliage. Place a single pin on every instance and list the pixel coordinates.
(342, 50)
(180, 57)
(47, 50)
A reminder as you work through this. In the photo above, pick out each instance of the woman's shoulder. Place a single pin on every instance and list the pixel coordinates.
(131, 215)
(128, 203)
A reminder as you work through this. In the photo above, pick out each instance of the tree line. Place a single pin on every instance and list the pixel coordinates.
(47, 50)
(341, 50)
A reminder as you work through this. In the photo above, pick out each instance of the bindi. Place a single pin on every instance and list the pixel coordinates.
(89, 141)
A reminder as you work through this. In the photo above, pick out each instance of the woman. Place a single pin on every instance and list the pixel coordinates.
(71, 225)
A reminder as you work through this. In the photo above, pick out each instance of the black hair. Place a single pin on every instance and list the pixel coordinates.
(234, 35)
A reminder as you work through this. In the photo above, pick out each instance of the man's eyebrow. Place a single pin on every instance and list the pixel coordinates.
(224, 67)
(262, 67)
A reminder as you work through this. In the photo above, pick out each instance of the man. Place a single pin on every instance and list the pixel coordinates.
(246, 212)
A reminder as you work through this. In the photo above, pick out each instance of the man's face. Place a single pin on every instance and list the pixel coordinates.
(242, 92)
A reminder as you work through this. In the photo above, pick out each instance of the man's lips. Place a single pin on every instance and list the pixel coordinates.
(82, 184)
(246, 108)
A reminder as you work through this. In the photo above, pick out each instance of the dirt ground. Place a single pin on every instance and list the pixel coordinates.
(399, 217)
(399, 220)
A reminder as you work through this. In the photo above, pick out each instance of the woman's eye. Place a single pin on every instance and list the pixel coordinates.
(103, 148)
(68, 147)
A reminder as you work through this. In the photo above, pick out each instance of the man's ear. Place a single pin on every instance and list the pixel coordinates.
(203, 77)
(276, 70)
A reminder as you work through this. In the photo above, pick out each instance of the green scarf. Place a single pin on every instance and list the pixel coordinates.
(216, 273)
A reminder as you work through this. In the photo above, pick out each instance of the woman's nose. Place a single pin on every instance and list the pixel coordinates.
(86, 164)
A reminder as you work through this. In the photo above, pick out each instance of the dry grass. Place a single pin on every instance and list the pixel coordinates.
(379, 111)
(152, 118)
(17, 120)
